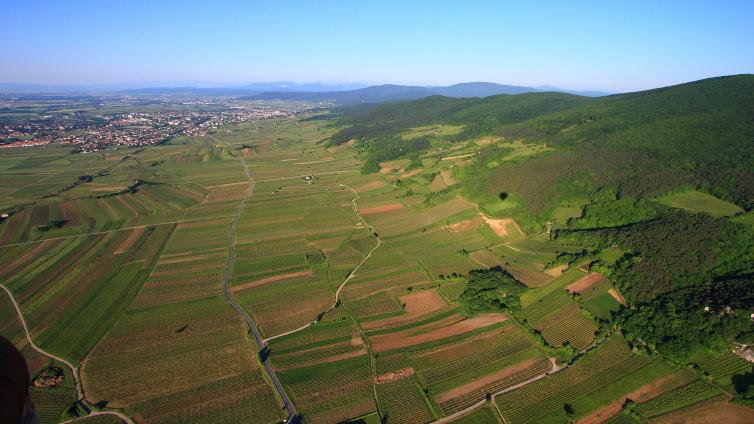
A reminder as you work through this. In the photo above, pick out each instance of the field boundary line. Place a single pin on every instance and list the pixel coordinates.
(74, 370)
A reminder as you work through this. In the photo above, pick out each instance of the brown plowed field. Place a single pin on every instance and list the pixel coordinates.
(447, 327)
(380, 209)
(418, 304)
(504, 227)
(585, 282)
(372, 185)
(394, 375)
(465, 225)
(720, 412)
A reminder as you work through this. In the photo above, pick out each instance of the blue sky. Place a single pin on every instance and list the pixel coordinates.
(599, 45)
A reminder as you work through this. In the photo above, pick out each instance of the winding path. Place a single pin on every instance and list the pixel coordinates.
(348, 278)
(74, 369)
(290, 408)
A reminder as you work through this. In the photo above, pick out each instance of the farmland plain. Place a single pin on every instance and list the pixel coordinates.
(354, 281)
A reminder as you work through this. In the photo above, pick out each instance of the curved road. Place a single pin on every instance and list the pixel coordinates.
(292, 414)
(74, 370)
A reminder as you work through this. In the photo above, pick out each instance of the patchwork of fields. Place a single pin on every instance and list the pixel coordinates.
(352, 280)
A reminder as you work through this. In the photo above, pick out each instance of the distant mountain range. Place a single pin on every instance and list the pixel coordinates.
(391, 93)
(342, 94)
(193, 87)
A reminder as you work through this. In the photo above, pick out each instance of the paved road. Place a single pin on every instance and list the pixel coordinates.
(74, 370)
(292, 414)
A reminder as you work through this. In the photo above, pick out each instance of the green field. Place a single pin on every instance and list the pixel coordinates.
(697, 201)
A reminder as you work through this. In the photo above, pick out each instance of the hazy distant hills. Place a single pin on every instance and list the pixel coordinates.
(343, 94)
(190, 87)
(392, 93)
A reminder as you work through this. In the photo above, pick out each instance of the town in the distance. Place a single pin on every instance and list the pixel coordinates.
(92, 122)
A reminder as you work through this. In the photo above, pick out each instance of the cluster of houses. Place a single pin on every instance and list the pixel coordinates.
(90, 131)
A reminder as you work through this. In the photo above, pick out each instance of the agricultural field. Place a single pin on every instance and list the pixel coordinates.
(73, 290)
(332, 392)
(602, 375)
(358, 284)
(697, 201)
(181, 305)
(51, 403)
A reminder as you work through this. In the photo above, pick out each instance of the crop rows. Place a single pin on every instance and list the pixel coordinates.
(316, 334)
(455, 367)
(528, 277)
(571, 327)
(608, 363)
(335, 391)
(58, 290)
(402, 402)
(376, 304)
(722, 365)
(621, 418)
(461, 402)
(281, 247)
(244, 396)
(49, 404)
(688, 394)
(306, 357)
(547, 306)
(357, 290)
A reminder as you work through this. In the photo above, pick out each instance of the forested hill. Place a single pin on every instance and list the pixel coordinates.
(708, 121)
(479, 115)
(654, 189)
(643, 143)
